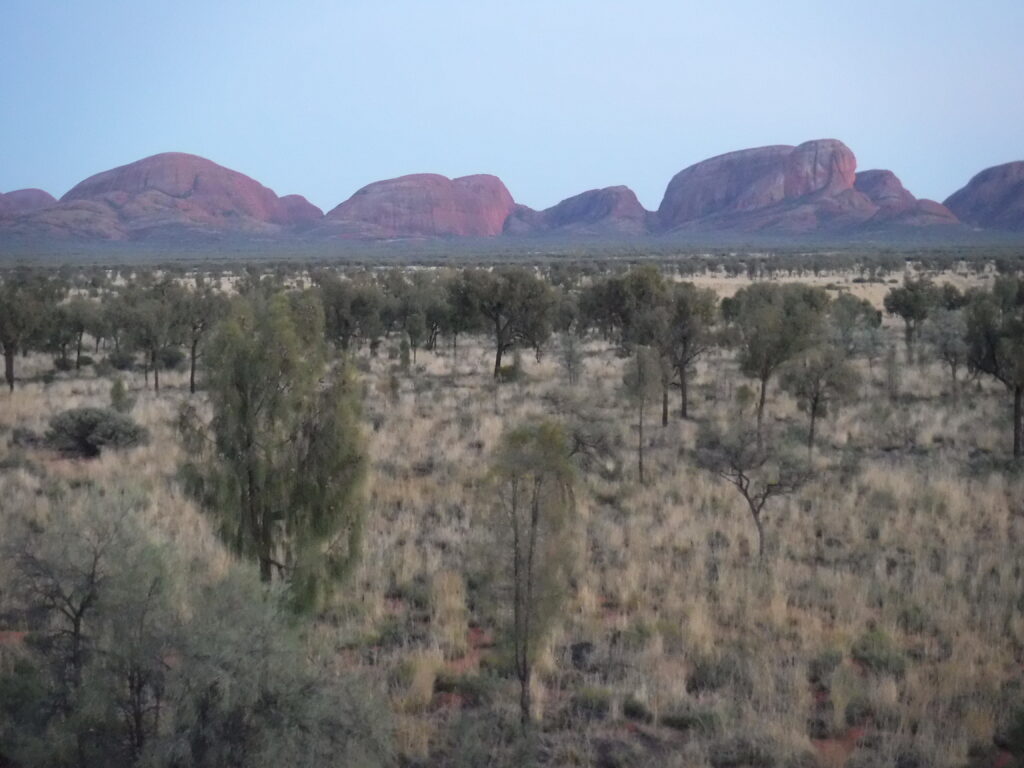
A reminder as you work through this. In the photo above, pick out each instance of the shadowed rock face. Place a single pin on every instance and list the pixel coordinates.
(172, 193)
(612, 210)
(424, 205)
(777, 187)
(994, 198)
(22, 201)
(896, 204)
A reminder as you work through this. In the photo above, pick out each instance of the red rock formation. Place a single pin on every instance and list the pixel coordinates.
(994, 198)
(168, 193)
(896, 205)
(781, 188)
(612, 210)
(424, 205)
(22, 201)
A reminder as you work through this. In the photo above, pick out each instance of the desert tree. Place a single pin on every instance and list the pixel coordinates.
(25, 300)
(912, 302)
(280, 466)
(689, 333)
(80, 316)
(515, 304)
(642, 381)
(773, 323)
(532, 477)
(197, 311)
(995, 343)
(154, 323)
(139, 656)
(945, 332)
(759, 473)
(855, 326)
(821, 379)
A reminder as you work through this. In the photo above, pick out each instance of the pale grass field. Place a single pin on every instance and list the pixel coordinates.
(910, 514)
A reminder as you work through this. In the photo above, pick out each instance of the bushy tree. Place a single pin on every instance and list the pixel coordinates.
(642, 381)
(945, 332)
(135, 657)
(533, 482)
(995, 343)
(820, 380)
(86, 432)
(690, 333)
(280, 467)
(774, 323)
(912, 302)
(25, 301)
(514, 303)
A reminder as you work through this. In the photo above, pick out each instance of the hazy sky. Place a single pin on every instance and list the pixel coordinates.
(553, 96)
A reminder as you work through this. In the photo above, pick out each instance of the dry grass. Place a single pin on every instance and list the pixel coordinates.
(912, 526)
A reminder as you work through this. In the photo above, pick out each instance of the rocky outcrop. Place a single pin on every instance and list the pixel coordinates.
(424, 205)
(898, 206)
(22, 201)
(993, 199)
(784, 188)
(608, 211)
(171, 193)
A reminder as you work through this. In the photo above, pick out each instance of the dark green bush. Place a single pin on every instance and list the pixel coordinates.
(170, 358)
(87, 431)
(876, 651)
(121, 360)
(592, 703)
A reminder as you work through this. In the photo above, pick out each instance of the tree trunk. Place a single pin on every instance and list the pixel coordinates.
(683, 393)
(810, 432)
(192, 367)
(760, 536)
(1018, 421)
(664, 405)
(78, 352)
(497, 360)
(9, 367)
(640, 444)
(760, 407)
(524, 699)
(954, 384)
(908, 340)
(156, 374)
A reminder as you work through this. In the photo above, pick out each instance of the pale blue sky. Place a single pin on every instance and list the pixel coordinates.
(555, 97)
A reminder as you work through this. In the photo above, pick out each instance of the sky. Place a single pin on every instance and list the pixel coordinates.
(554, 96)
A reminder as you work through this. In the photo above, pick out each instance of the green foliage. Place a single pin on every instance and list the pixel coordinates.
(281, 466)
(135, 659)
(533, 479)
(876, 651)
(86, 432)
(120, 400)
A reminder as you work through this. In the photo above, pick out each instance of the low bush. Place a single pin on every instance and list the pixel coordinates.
(87, 431)
(121, 360)
(876, 651)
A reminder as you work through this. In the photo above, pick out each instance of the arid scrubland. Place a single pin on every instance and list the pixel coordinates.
(883, 626)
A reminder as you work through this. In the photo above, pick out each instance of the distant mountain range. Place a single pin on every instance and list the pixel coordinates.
(813, 189)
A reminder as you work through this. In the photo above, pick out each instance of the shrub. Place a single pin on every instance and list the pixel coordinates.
(63, 364)
(875, 650)
(121, 360)
(170, 358)
(592, 703)
(87, 431)
(120, 400)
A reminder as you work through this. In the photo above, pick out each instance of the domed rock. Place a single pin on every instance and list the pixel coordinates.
(424, 205)
(22, 201)
(898, 206)
(612, 210)
(781, 188)
(994, 198)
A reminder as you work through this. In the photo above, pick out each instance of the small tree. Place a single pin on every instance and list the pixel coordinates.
(197, 312)
(995, 342)
(533, 481)
(517, 305)
(642, 382)
(912, 302)
(774, 323)
(280, 467)
(820, 380)
(945, 332)
(737, 456)
(690, 333)
(23, 307)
